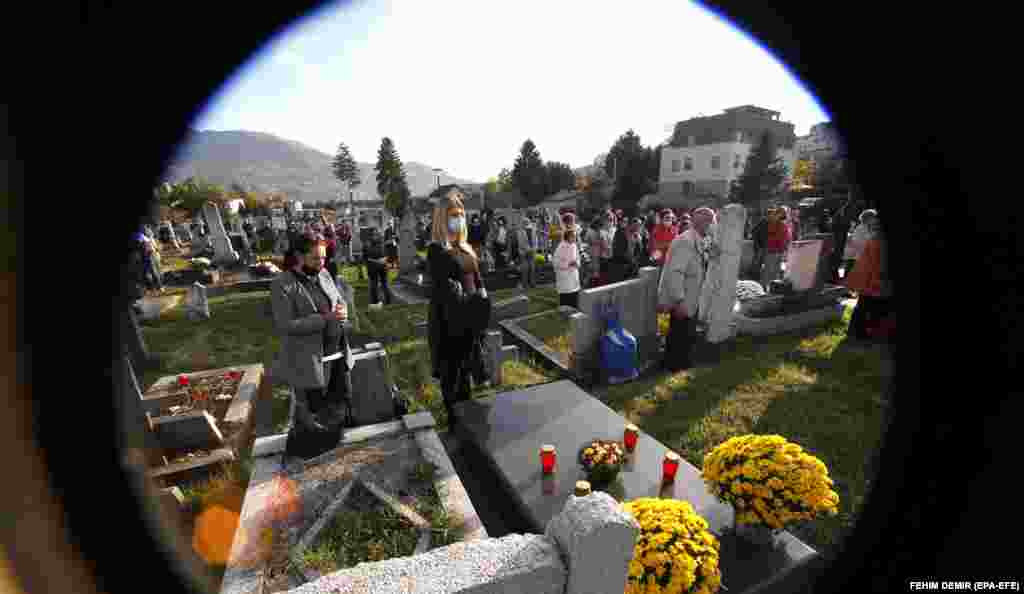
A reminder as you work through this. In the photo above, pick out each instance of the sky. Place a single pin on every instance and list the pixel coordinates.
(461, 84)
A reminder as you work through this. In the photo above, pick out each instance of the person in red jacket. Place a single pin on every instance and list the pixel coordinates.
(664, 232)
(779, 238)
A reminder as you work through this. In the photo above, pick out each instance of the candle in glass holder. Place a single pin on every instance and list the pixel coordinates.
(669, 466)
(582, 488)
(630, 437)
(547, 458)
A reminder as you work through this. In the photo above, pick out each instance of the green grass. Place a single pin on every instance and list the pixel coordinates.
(360, 535)
(804, 386)
(809, 386)
(280, 406)
(553, 330)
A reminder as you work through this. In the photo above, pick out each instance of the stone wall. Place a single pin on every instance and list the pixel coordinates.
(636, 299)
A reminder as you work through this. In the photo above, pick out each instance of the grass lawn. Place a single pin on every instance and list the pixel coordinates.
(553, 330)
(809, 386)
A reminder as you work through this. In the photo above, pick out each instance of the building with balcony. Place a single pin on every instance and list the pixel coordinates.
(822, 143)
(707, 153)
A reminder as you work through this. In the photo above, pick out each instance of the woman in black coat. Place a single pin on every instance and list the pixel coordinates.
(459, 309)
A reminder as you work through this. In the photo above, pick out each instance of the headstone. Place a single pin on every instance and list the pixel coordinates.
(803, 262)
(718, 295)
(407, 244)
(198, 306)
(223, 253)
(371, 388)
(597, 538)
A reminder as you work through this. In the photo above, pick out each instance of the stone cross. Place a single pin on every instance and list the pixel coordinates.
(223, 252)
(718, 295)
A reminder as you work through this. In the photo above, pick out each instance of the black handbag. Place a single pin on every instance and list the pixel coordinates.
(401, 404)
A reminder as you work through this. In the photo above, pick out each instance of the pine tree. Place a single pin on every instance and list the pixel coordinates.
(529, 175)
(345, 167)
(391, 181)
(630, 166)
(762, 176)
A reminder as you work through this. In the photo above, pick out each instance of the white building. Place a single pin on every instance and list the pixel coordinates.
(710, 168)
(708, 153)
(823, 142)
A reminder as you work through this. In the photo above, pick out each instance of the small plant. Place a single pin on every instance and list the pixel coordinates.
(602, 460)
(423, 472)
(674, 551)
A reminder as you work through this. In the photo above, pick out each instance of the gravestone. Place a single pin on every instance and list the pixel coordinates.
(636, 299)
(718, 295)
(198, 305)
(223, 253)
(803, 264)
(371, 388)
(407, 244)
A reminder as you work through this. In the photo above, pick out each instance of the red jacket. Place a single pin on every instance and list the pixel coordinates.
(778, 237)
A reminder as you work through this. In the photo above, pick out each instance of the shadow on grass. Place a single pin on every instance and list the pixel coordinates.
(808, 387)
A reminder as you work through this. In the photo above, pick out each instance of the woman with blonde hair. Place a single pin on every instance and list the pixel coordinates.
(459, 309)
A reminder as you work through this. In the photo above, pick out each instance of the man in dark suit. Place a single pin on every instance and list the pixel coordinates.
(312, 317)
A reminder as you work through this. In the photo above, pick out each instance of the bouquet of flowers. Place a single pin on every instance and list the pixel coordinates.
(602, 460)
(769, 481)
(675, 552)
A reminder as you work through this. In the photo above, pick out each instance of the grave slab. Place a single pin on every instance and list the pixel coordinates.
(510, 428)
(192, 430)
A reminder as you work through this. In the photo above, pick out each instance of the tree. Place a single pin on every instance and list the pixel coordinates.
(505, 181)
(762, 176)
(559, 176)
(803, 172)
(631, 167)
(391, 181)
(529, 175)
(345, 167)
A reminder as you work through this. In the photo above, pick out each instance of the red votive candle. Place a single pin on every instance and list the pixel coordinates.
(547, 458)
(182, 380)
(630, 436)
(669, 466)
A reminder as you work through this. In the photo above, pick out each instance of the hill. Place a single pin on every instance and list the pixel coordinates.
(266, 163)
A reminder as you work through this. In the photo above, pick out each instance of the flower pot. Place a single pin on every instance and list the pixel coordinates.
(760, 535)
(603, 474)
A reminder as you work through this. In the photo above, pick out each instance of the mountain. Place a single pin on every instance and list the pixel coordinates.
(265, 163)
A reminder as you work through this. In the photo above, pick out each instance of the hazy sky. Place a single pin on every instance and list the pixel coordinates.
(461, 84)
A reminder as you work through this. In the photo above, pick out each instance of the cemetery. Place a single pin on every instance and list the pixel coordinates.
(417, 503)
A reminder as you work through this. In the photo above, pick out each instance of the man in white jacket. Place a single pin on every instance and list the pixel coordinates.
(679, 290)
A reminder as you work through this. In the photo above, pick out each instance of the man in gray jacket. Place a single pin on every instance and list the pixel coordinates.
(679, 290)
(312, 317)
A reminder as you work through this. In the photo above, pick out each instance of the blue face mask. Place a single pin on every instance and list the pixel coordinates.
(455, 224)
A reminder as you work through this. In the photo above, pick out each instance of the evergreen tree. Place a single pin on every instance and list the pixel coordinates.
(559, 177)
(529, 175)
(762, 176)
(504, 181)
(391, 181)
(631, 167)
(345, 167)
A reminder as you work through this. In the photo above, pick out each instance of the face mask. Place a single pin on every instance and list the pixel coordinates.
(455, 224)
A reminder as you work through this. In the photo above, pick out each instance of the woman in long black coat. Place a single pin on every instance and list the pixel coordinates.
(457, 317)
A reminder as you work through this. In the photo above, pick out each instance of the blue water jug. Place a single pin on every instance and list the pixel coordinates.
(618, 349)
